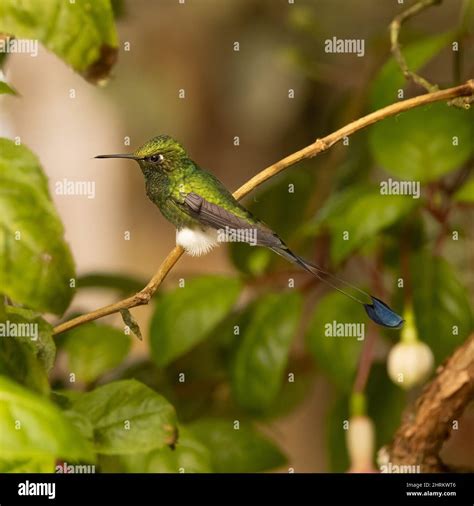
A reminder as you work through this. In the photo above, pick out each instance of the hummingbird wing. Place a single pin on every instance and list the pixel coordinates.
(215, 216)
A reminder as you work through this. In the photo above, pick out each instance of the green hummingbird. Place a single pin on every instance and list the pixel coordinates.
(205, 213)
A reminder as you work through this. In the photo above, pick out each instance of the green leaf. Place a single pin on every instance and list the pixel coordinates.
(41, 339)
(390, 78)
(236, 451)
(295, 390)
(466, 192)
(94, 349)
(336, 355)
(33, 427)
(44, 464)
(262, 354)
(363, 218)
(36, 265)
(187, 315)
(441, 304)
(64, 398)
(425, 143)
(291, 193)
(128, 417)
(29, 355)
(356, 163)
(81, 423)
(363, 212)
(189, 456)
(82, 33)
(337, 204)
(250, 259)
(6, 89)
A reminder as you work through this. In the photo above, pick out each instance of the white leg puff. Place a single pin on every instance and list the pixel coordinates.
(196, 241)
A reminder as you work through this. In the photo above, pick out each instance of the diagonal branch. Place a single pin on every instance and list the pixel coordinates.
(143, 296)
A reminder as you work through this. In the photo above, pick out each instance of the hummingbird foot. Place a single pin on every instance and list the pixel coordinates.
(197, 241)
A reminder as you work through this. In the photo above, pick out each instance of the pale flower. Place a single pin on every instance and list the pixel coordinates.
(410, 363)
(360, 440)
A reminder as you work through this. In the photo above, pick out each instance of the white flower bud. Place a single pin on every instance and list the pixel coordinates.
(360, 440)
(410, 363)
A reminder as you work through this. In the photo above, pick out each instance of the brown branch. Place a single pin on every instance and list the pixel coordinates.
(317, 147)
(419, 439)
(139, 299)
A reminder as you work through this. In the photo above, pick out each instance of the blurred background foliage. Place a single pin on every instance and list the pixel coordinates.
(236, 373)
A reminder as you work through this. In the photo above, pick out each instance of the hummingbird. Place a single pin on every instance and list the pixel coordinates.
(205, 213)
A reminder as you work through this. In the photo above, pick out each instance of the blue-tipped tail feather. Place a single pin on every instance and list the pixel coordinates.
(378, 311)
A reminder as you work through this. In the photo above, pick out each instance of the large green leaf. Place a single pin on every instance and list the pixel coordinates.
(128, 417)
(42, 340)
(36, 265)
(43, 464)
(262, 354)
(281, 205)
(241, 450)
(33, 427)
(189, 456)
(28, 356)
(425, 143)
(187, 315)
(363, 218)
(295, 389)
(82, 33)
(93, 349)
(390, 78)
(443, 313)
(339, 203)
(337, 355)
(418, 145)
(80, 422)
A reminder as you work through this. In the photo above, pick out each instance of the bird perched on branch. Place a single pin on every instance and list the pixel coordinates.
(205, 213)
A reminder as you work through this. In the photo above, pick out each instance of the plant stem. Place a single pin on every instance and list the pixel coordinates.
(395, 27)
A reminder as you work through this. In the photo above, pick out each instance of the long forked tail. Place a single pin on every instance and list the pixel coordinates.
(378, 311)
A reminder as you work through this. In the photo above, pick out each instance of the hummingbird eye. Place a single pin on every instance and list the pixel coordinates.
(156, 158)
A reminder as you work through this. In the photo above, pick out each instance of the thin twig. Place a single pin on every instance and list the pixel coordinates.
(317, 147)
(395, 27)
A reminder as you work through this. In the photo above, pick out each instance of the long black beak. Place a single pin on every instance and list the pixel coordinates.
(119, 155)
